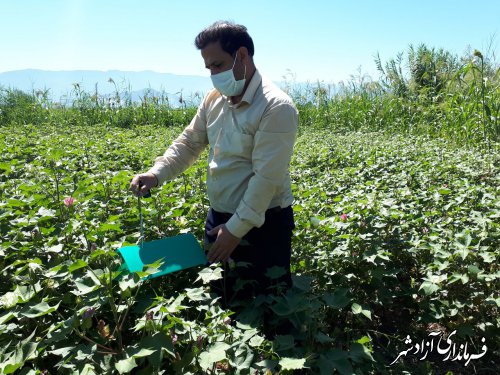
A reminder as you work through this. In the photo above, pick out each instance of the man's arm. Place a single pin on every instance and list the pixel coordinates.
(184, 150)
(179, 156)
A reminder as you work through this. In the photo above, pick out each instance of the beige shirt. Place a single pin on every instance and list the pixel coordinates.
(251, 144)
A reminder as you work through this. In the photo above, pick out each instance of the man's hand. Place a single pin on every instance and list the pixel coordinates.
(223, 246)
(148, 181)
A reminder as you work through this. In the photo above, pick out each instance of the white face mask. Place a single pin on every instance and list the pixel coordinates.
(226, 83)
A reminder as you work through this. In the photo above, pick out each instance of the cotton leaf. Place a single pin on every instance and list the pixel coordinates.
(195, 294)
(215, 354)
(56, 248)
(292, 363)
(124, 366)
(428, 287)
(209, 274)
(143, 353)
(256, 341)
(356, 308)
(45, 212)
(40, 309)
(77, 265)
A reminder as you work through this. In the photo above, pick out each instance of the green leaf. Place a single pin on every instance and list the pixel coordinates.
(429, 288)
(459, 276)
(268, 364)
(292, 363)
(493, 301)
(9, 300)
(77, 265)
(322, 338)
(24, 350)
(337, 299)
(109, 227)
(488, 257)
(209, 274)
(358, 309)
(15, 203)
(56, 248)
(44, 212)
(216, 353)
(275, 272)
(62, 352)
(196, 294)
(83, 289)
(124, 366)
(284, 342)
(473, 269)
(6, 317)
(243, 357)
(38, 310)
(88, 369)
(360, 353)
(366, 312)
(363, 340)
(160, 343)
(462, 244)
(143, 352)
(315, 221)
(256, 341)
(302, 282)
(335, 359)
(127, 283)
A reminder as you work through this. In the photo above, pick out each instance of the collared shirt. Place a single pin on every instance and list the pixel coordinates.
(251, 144)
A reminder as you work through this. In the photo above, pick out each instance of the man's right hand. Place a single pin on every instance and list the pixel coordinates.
(142, 183)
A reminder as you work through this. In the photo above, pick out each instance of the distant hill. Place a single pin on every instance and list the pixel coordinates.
(61, 83)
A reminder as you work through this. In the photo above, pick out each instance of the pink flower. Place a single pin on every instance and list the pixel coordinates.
(174, 338)
(69, 201)
(343, 217)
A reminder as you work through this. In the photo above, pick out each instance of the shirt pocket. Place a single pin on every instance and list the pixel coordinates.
(237, 145)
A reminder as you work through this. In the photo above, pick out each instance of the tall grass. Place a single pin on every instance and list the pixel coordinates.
(429, 92)
(433, 94)
(84, 108)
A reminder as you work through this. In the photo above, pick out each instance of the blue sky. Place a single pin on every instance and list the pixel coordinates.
(315, 40)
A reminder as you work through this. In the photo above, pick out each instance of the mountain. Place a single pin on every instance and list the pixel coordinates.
(61, 84)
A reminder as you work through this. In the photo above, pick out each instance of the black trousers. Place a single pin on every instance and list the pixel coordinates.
(261, 261)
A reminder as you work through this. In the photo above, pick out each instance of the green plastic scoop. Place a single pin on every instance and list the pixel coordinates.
(177, 253)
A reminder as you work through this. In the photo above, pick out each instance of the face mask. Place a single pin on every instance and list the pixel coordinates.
(226, 84)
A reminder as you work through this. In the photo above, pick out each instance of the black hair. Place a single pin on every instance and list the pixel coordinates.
(230, 35)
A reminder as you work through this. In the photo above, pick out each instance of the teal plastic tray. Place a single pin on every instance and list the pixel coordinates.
(178, 253)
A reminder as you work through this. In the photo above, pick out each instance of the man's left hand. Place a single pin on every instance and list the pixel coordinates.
(223, 246)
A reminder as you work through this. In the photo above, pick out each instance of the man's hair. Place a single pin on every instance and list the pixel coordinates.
(230, 35)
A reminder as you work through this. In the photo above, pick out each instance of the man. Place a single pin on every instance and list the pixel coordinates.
(251, 126)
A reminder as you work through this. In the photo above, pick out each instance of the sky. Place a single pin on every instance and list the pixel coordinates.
(304, 40)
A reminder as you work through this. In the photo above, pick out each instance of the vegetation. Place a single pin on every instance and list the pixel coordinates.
(398, 232)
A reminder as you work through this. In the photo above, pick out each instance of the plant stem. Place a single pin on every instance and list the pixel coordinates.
(114, 310)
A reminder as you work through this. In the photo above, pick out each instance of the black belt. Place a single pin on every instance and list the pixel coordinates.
(270, 211)
(274, 210)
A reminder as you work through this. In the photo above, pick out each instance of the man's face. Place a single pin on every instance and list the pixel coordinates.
(217, 60)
